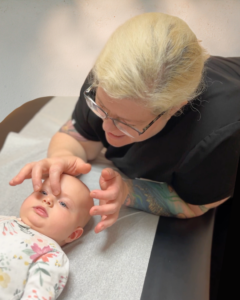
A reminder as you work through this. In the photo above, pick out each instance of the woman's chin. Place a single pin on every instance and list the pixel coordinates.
(117, 141)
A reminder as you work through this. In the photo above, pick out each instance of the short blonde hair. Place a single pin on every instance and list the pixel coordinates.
(154, 58)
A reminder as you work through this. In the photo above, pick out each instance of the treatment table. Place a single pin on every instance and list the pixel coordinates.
(178, 252)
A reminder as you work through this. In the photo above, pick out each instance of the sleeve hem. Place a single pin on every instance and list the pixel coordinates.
(83, 133)
(202, 201)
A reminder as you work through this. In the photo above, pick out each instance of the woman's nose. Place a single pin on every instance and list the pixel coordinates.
(48, 201)
(108, 125)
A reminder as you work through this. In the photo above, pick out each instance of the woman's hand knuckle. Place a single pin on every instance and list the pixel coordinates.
(114, 209)
(115, 218)
(103, 211)
(115, 194)
(29, 164)
(54, 168)
(115, 205)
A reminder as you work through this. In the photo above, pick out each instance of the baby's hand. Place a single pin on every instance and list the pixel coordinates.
(112, 196)
(53, 167)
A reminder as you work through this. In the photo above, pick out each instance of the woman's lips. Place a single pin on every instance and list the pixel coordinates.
(41, 211)
(115, 136)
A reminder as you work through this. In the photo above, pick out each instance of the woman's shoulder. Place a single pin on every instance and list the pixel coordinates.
(218, 105)
(224, 66)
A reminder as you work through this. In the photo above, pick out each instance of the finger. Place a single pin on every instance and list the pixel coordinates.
(37, 173)
(25, 173)
(106, 195)
(102, 202)
(107, 209)
(76, 166)
(107, 178)
(55, 173)
(109, 221)
(108, 174)
(85, 168)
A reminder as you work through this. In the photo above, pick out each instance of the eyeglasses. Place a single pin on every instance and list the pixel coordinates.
(123, 127)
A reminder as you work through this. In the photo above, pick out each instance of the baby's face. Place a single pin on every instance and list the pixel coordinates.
(58, 217)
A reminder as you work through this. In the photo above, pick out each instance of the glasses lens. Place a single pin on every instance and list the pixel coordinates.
(97, 110)
(126, 129)
(101, 114)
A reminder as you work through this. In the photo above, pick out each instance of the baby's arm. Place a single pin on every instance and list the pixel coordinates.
(47, 277)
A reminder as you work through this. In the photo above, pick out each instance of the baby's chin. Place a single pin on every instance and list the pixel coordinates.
(37, 227)
(33, 222)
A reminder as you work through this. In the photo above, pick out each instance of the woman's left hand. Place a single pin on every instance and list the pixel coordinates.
(112, 195)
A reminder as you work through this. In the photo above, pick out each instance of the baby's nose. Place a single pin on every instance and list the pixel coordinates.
(48, 201)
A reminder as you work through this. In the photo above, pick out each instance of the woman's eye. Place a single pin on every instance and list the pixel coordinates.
(100, 106)
(63, 204)
(43, 192)
(131, 125)
(125, 123)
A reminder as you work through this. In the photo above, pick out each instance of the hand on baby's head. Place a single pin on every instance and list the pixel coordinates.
(60, 217)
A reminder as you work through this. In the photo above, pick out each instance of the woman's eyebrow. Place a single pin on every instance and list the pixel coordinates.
(119, 117)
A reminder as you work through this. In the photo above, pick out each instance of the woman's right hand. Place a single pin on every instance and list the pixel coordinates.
(53, 167)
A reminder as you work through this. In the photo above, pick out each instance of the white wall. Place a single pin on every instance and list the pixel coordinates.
(47, 47)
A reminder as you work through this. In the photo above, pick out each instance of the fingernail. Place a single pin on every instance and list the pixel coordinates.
(56, 192)
(93, 194)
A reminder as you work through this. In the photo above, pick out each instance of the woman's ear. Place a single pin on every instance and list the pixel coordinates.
(175, 109)
(75, 235)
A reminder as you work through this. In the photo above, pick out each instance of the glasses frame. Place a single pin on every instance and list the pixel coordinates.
(88, 90)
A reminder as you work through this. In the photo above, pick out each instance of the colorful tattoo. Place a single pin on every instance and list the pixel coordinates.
(156, 198)
(203, 208)
(69, 129)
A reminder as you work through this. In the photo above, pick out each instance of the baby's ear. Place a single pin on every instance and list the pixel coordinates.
(75, 235)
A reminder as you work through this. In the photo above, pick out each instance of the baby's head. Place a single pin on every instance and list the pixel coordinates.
(61, 217)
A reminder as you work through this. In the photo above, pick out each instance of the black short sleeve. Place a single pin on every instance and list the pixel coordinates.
(197, 153)
(208, 173)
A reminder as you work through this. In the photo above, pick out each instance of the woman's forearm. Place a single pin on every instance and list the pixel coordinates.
(68, 141)
(63, 144)
(157, 198)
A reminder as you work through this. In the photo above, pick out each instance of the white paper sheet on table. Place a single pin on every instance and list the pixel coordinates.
(106, 266)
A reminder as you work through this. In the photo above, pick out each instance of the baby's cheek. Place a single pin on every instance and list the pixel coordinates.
(62, 217)
(24, 206)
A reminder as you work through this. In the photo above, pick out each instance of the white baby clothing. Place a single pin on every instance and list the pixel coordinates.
(32, 265)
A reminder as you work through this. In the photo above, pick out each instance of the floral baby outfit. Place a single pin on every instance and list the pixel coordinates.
(32, 265)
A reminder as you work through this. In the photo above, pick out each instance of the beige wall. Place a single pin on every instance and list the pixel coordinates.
(47, 47)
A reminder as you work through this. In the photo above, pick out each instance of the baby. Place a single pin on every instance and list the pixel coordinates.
(32, 263)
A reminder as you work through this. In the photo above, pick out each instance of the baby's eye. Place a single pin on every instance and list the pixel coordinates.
(43, 192)
(63, 204)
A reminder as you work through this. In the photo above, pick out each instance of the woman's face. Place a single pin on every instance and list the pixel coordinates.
(131, 113)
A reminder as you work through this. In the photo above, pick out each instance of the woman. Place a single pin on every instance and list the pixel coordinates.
(167, 114)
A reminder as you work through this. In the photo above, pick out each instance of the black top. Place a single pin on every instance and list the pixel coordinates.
(196, 153)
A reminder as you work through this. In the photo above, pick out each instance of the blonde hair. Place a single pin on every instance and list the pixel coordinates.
(154, 58)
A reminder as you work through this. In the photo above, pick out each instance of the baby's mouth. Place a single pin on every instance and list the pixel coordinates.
(41, 211)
